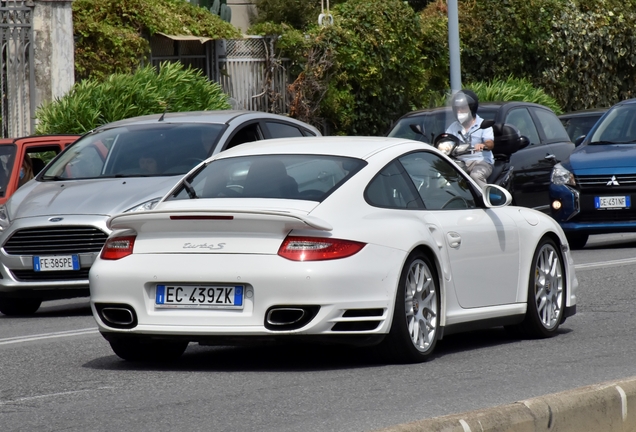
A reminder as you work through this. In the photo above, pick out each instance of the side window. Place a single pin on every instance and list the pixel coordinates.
(282, 130)
(249, 133)
(41, 155)
(392, 189)
(440, 185)
(552, 126)
(520, 117)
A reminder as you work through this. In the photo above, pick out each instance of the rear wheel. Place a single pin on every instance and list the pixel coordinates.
(413, 333)
(139, 349)
(546, 292)
(18, 306)
(577, 241)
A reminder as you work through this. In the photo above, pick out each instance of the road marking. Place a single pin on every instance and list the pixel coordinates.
(618, 262)
(21, 339)
(30, 398)
(623, 402)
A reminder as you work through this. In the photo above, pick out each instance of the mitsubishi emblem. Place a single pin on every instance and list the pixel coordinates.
(613, 182)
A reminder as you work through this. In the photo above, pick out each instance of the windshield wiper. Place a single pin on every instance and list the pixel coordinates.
(190, 190)
(610, 142)
(54, 178)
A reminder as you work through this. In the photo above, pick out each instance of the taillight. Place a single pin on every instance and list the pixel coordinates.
(118, 247)
(317, 248)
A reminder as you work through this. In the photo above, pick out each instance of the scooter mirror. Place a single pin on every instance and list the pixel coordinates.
(486, 124)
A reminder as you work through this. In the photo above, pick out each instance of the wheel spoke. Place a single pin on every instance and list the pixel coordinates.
(548, 286)
(420, 305)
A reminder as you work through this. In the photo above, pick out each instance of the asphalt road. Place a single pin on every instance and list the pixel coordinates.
(57, 373)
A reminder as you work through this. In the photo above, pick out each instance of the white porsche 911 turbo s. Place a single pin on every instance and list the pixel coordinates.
(358, 240)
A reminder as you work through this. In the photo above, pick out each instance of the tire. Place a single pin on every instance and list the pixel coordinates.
(136, 349)
(577, 241)
(18, 306)
(415, 324)
(546, 292)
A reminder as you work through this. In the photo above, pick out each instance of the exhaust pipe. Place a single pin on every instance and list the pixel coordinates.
(284, 316)
(118, 316)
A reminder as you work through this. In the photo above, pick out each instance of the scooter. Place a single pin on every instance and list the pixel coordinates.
(508, 140)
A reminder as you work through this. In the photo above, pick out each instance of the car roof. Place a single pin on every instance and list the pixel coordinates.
(347, 146)
(627, 102)
(216, 116)
(511, 104)
(583, 113)
(488, 104)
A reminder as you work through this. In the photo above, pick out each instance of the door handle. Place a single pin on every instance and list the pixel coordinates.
(454, 239)
(550, 157)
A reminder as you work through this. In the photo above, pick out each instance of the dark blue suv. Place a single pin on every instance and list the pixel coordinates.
(594, 190)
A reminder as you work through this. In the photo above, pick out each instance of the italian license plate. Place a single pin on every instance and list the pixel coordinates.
(210, 297)
(612, 202)
(56, 263)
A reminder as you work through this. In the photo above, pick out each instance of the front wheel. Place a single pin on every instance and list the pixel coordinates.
(413, 333)
(546, 291)
(139, 349)
(19, 306)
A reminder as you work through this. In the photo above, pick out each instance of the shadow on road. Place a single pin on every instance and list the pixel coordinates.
(279, 358)
(482, 339)
(53, 310)
(65, 310)
(302, 357)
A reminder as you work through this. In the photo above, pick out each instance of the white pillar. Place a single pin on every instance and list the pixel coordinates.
(54, 49)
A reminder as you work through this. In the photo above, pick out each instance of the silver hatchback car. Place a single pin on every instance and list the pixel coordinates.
(53, 228)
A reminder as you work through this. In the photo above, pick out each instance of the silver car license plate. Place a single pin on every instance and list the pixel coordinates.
(56, 263)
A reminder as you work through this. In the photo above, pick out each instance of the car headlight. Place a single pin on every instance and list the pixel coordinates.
(145, 206)
(4, 217)
(561, 176)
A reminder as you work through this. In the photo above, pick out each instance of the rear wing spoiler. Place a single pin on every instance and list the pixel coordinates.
(290, 220)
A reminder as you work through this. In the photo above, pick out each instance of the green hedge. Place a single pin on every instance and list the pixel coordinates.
(94, 102)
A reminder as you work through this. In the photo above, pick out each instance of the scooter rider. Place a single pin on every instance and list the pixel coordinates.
(479, 163)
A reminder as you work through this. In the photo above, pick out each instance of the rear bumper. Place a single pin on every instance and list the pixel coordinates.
(364, 283)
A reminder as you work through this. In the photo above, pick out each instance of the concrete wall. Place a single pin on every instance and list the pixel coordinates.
(606, 407)
(54, 49)
(241, 10)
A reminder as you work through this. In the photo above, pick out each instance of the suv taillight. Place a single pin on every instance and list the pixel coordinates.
(118, 247)
(317, 248)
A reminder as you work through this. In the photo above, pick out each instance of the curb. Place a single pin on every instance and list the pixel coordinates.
(607, 407)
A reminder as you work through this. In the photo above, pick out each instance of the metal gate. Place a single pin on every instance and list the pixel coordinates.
(251, 74)
(17, 75)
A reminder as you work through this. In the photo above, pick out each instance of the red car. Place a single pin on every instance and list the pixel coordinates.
(14, 151)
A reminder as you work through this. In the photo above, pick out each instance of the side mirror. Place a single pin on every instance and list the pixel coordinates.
(579, 140)
(523, 142)
(496, 196)
(415, 127)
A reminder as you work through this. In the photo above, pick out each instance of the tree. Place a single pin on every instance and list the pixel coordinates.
(112, 35)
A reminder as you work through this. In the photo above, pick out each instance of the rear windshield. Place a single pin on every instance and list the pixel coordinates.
(148, 150)
(304, 177)
(617, 127)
